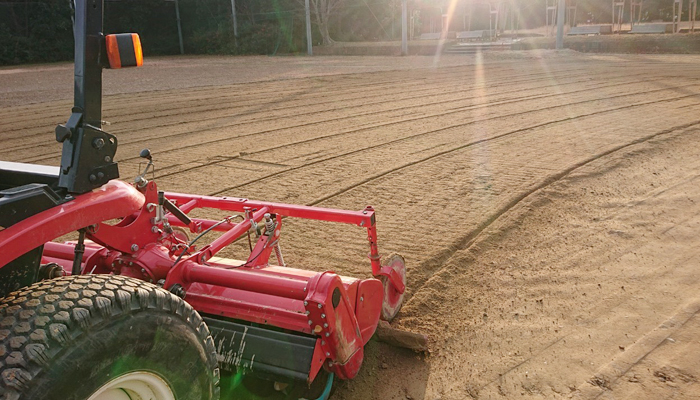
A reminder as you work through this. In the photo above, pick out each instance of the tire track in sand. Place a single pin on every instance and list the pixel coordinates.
(266, 110)
(445, 152)
(47, 156)
(432, 266)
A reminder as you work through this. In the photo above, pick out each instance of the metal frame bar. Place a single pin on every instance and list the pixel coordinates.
(364, 218)
(677, 13)
(618, 9)
(636, 11)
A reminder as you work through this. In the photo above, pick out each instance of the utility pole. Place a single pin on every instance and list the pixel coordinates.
(561, 14)
(179, 26)
(309, 46)
(404, 28)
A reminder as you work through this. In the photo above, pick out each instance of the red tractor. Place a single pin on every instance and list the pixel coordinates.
(140, 306)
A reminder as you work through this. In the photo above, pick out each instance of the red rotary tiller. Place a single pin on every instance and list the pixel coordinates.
(280, 323)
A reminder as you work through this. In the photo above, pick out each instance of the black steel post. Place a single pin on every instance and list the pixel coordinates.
(88, 68)
(88, 152)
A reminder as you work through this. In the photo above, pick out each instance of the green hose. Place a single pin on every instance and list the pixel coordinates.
(327, 390)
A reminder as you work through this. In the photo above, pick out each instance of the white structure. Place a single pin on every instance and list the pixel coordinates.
(618, 9)
(635, 11)
(677, 12)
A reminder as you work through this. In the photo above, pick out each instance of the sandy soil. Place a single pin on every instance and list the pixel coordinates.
(546, 203)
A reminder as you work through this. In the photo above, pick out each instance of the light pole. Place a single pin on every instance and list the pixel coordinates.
(309, 46)
(233, 15)
(179, 27)
(404, 28)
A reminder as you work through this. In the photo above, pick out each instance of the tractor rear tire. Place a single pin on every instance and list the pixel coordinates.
(84, 337)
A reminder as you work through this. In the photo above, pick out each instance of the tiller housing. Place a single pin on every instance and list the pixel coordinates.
(284, 324)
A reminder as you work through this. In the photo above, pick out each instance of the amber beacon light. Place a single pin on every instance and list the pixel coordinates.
(124, 50)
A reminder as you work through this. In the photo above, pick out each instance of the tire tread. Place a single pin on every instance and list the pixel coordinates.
(39, 321)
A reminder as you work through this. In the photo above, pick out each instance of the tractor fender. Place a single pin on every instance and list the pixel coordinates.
(115, 199)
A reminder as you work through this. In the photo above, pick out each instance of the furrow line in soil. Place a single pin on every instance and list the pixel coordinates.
(262, 107)
(200, 142)
(394, 122)
(184, 97)
(433, 265)
(278, 173)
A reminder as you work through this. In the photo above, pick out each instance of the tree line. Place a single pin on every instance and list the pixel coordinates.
(41, 30)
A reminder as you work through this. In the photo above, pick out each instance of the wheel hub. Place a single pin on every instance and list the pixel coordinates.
(140, 385)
